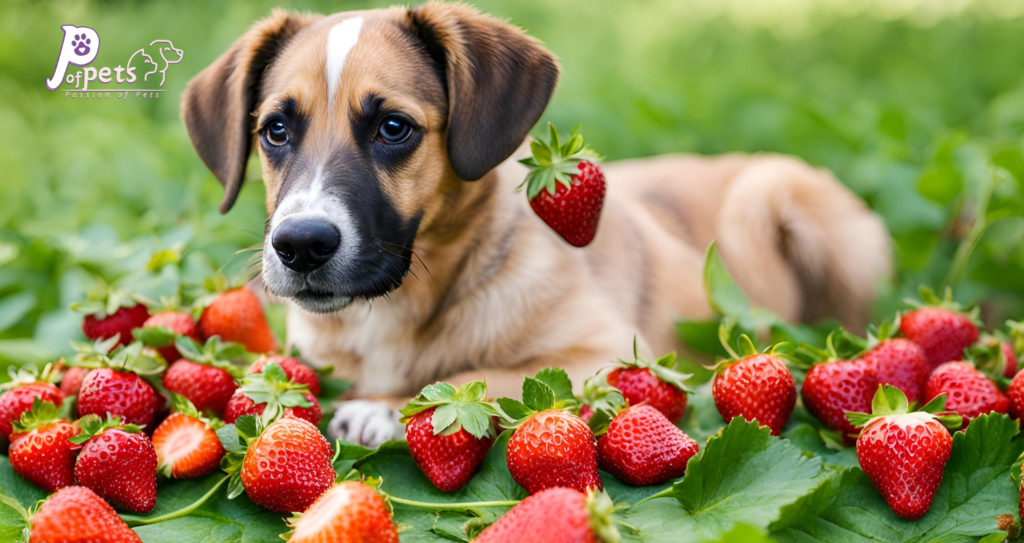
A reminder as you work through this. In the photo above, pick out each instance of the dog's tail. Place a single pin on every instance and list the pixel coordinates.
(801, 244)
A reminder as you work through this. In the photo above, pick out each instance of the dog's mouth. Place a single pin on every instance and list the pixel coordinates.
(318, 301)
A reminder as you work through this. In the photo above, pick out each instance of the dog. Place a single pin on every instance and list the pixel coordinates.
(166, 55)
(388, 142)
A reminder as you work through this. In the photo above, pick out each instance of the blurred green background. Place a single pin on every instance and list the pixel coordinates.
(918, 105)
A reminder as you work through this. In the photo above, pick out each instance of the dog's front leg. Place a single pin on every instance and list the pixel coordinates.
(368, 421)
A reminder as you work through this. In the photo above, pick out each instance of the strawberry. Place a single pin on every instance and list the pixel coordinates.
(565, 187)
(449, 432)
(40, 451)
(236, 316)
(904, 453)
(902, 364)
(269, 394)
(206, 375)
(834, 388)
(186, 444)
(1010, 368)
(642, 447)
(26, 386)
(556, 515)
(995, 358)
(162, 329)
(284, 467)
(72, 380)
(586, 412)
(111, 313)
(940, 328)
(1015, 393)
(969, 392)
(77, 515)
(296, 371)
(115, 386)
(117, 462)
(657, 383)
(756, 387)
(349, 512)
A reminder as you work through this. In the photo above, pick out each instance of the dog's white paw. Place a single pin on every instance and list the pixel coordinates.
(366, 423)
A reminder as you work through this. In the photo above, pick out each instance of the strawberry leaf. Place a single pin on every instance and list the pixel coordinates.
(155, 336)
(559, 382)
(537, 395)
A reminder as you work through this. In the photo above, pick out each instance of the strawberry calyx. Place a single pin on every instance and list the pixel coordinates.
(554, 162)
(214, 353)
(549, 389)
(890, 401)
(94, 425)
(183, 406)
(236, 443)
(663, 368)
(40, 414)
(745, 348)
(604, 400)
(930, 299)
(103, 300)
(272, 387)
(1016, 330)
(28, 374)
(213, 286)
(988, 357)
(133, 358)
(601, 511)
(455, 409)
(840, 344)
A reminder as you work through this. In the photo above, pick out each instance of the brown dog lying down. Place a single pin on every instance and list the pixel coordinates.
(387, 141)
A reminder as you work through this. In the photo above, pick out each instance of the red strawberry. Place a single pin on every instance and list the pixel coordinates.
(240, 405)
(642, 447)
(117, 462)
(187, 445)
(349, 512)
(903, 453)
(553, 448)
(969, 392)
(109, 313)
(451, 451)
(1010, 369)
(173, 324)
(18, 400)
(120, 393)
(555, 515)
(296, 371)
(995, 358)
(287, 467)
(236, 316)
(40, 451)
(833, 389)
(77, 515)
(657, 383)
(1015, 393)
(565, 187)
(206, 375)
(902, 364)
(72, 380)
(940, 328)
(586, 412)
(757, 387)
(270, 394)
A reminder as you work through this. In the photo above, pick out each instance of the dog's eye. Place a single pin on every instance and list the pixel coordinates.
(277, 133)
(394, 130)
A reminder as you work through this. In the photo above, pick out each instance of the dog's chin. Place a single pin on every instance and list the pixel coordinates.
(320, 302)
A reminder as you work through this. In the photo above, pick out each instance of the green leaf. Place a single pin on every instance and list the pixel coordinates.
(558, 381)
(727, 298)
(537, 395)
(515, 409)
(228, 436)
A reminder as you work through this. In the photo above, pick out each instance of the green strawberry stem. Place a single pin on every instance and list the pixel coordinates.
(667, 493)
(555, 162)
(138, 520)
(447, 506)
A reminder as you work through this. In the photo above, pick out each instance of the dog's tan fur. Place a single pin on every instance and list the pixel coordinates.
(504, 296)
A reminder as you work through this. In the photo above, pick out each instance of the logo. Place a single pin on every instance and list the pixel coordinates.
(81, 45)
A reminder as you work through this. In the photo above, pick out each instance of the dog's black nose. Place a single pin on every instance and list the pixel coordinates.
(305, 244)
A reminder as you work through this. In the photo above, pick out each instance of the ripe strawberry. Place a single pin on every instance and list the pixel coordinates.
(117, 462)
(349, 512)
(833, 389)
(296, 371)
(642, 447)
(565, 187)
(902, 364)
(1015, 393)
(969, 392)
(556, 515)
(119, 393)
(206, 375)
(77, 515)
(72, 381)
(903, 453)
(1010, 368)
(940, 328)
(995, 358)
(586, 412)
(285, 468)
(186, 444)
(18, 400)
(169, 325)
(657, 383)
(553, 448)
(236, 316)
(449, 432)
(109, 313)
(270, 394)
(757, 387)
(40, 451)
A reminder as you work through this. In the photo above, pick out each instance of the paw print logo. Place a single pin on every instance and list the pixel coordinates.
(81, 44)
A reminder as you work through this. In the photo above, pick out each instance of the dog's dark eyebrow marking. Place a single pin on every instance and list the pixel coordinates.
(362, 120)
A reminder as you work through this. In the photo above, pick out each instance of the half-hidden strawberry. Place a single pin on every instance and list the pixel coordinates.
(111, 312)
(565, 186)
(206, 374)
(163, 328)
(118, 462)
(556, 515)
(755, 386)
(449, 432)
(283, 467)
(186, 443)
(115, 386)
(72, 380)
(834, 388)
(237, 316)
(993, 357)
(269, 395)
(296, 371)
(76, 515)
(658, 383)
(642, 447)
(41, 450)
(969, 393)
(551, 447)
(903, 453)
(349, 512)
(26, 384)
(940, 326)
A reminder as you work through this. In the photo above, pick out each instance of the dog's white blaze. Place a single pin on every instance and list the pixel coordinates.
(340, 41)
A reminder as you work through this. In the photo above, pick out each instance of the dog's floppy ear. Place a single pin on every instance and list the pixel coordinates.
(218, 103)
(499, 82)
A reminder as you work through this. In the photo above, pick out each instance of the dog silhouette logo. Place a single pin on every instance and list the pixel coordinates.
(155, 58)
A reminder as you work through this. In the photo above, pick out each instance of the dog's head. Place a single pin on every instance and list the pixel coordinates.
(168, 52)
(366, 124)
